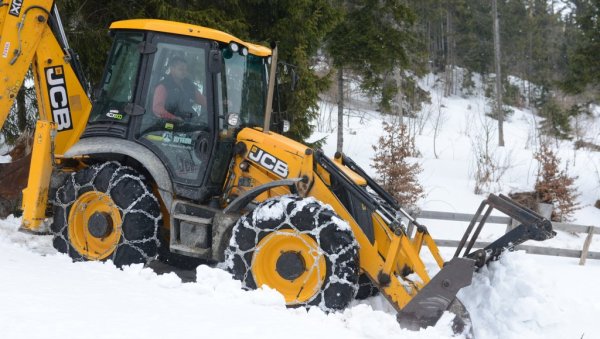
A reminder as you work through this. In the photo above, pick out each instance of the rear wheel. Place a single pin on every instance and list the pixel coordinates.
(106, 211)
(299, 247)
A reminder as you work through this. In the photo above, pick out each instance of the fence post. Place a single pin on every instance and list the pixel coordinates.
(586, 246)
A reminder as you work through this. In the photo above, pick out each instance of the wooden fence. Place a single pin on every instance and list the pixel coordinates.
(582, 254)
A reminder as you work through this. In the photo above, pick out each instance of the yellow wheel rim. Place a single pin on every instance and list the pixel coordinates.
(290, 262)
(88, 243)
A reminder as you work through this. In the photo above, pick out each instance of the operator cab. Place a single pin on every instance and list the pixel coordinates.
(182, 91)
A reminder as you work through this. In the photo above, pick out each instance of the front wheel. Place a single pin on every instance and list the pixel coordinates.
(106, 211)
(299, 247)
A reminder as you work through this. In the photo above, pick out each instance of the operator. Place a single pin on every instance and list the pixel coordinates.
(175, 95)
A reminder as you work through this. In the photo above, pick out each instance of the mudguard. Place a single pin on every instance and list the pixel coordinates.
(100, 145)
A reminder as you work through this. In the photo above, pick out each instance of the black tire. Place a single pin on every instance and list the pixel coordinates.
(306, 216)
(366, 288)
(138, 207)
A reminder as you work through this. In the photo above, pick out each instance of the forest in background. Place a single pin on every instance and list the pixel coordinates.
(552, 46)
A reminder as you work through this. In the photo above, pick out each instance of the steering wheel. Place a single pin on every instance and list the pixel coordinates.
(191, 125)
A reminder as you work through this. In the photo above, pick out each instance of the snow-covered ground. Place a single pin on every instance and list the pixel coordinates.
(44, 295)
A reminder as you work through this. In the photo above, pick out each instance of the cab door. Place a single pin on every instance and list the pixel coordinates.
(177, 123)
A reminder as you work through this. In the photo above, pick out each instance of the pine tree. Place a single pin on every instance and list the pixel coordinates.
(583, 25)
(375, 41)
(554, 186)
(556, 121)
(394, 172)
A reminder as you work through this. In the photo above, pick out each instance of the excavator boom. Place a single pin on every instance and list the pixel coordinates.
(32, 37)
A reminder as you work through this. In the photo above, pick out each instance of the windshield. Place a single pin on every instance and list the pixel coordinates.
(244, 87)
(119, 81)
(242, 90)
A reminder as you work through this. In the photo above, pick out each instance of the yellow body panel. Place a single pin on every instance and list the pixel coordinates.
(290, 152)
(189, 30)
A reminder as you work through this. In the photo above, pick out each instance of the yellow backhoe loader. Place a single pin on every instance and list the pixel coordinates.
(176, 159)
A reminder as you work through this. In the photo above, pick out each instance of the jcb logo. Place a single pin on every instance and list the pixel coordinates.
(59, 98)
(268, 161)
(15, 8)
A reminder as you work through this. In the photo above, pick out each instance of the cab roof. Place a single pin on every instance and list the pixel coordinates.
(180, 28)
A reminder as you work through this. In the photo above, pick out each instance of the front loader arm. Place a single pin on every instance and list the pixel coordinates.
(387, 254)
(32, 36)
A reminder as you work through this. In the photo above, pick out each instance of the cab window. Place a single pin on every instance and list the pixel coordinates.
(118, 85)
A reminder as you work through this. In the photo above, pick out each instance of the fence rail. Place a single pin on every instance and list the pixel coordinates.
(582, 254)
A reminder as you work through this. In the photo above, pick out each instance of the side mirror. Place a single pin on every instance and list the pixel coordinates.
(215, 61)
(285, 126)
(233, 120)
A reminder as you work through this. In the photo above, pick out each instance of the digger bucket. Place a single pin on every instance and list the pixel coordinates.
(13, 177)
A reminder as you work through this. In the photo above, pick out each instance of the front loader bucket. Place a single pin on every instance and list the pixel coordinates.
(427, 306)
(439, 295)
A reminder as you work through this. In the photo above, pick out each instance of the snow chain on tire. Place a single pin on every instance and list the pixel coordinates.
(138, 207)
(366, 289)
(302, 217)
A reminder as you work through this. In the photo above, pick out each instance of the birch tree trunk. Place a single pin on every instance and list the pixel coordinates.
(499, 112)
(340, 120)
(397, 108)
(449, 85)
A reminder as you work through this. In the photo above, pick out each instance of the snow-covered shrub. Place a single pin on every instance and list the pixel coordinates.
(489, 163)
